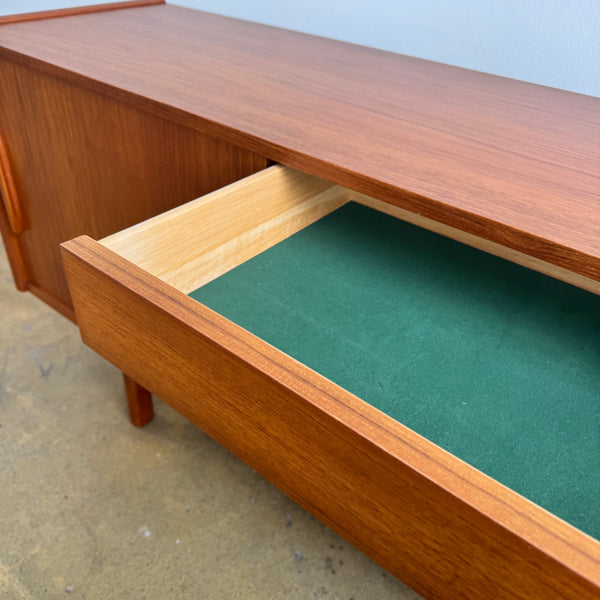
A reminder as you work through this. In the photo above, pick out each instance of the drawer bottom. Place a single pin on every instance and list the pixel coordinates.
(495, 363)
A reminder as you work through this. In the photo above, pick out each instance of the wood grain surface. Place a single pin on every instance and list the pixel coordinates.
(508, 161)
(86, 163)
(444, 528)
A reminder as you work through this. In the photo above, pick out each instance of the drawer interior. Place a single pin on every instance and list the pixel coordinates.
(195, 243)
(494, 362)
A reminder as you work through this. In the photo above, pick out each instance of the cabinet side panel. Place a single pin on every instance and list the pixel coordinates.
(87, 164)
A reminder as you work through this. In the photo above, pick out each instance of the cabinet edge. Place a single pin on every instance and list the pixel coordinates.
(77, 10)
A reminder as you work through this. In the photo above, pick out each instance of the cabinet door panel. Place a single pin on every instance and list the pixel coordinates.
(84, 163)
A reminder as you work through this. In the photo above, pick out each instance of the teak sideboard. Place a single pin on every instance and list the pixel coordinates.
(165, 147)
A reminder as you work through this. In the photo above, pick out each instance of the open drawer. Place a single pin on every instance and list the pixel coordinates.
(391, 470)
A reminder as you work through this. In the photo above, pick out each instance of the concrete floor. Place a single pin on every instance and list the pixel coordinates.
(93, 508)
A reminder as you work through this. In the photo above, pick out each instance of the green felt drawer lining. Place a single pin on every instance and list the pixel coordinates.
(495, 363)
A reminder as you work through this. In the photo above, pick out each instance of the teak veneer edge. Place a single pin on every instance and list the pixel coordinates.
(76, 10)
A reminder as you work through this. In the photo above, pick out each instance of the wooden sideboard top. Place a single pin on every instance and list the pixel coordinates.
(512, 162)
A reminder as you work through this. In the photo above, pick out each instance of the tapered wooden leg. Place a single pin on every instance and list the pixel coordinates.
(139, 400)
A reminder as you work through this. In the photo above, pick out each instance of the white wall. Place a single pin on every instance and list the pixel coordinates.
(551, 42)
